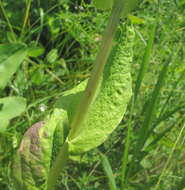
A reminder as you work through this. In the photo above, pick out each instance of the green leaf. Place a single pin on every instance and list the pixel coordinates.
(146, 60)
(110, 104)
(10, 107)
(35, 51)
(108, 171)
(146, 163)
(33, 160)
(11, 56)
(52, 56)
(71, 98)
(145, 131)
(136, 20)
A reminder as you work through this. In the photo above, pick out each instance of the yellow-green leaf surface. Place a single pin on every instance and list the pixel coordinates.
(10, 107)
(34, 157)
(108, 108)
(11, 56)
(71, 98)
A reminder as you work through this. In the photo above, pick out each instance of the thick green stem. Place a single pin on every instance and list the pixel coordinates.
(98, 68)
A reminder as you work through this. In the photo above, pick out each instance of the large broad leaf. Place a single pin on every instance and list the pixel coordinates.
(10, 107)
(128, 5)
(11, 56)
(110, 104)
(33, 160)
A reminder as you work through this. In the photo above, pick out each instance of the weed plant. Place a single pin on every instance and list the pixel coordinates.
(146, 151)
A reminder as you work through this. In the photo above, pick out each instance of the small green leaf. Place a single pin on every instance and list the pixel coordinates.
(35, 51)
(136, 20)
(52, 56)
(146, 163)
(38, 76)
(11, 56)
(11, 107)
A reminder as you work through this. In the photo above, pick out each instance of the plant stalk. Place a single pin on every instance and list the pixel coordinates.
(58, 166)
(90, 91)
(89, 94)
(97, 71)
(27, 13)
(8, 21)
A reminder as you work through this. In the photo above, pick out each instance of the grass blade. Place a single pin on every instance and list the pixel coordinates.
(145, 62)
(166, 116)
(143, 70)
(26, 17)
(108, 171)
(152, 105)
(149, 114)
(162, 134)
(127, 144)
(181, 77)
(8, 22)
(164, 171)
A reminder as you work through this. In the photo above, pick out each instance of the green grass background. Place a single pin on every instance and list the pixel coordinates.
(147, 149)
